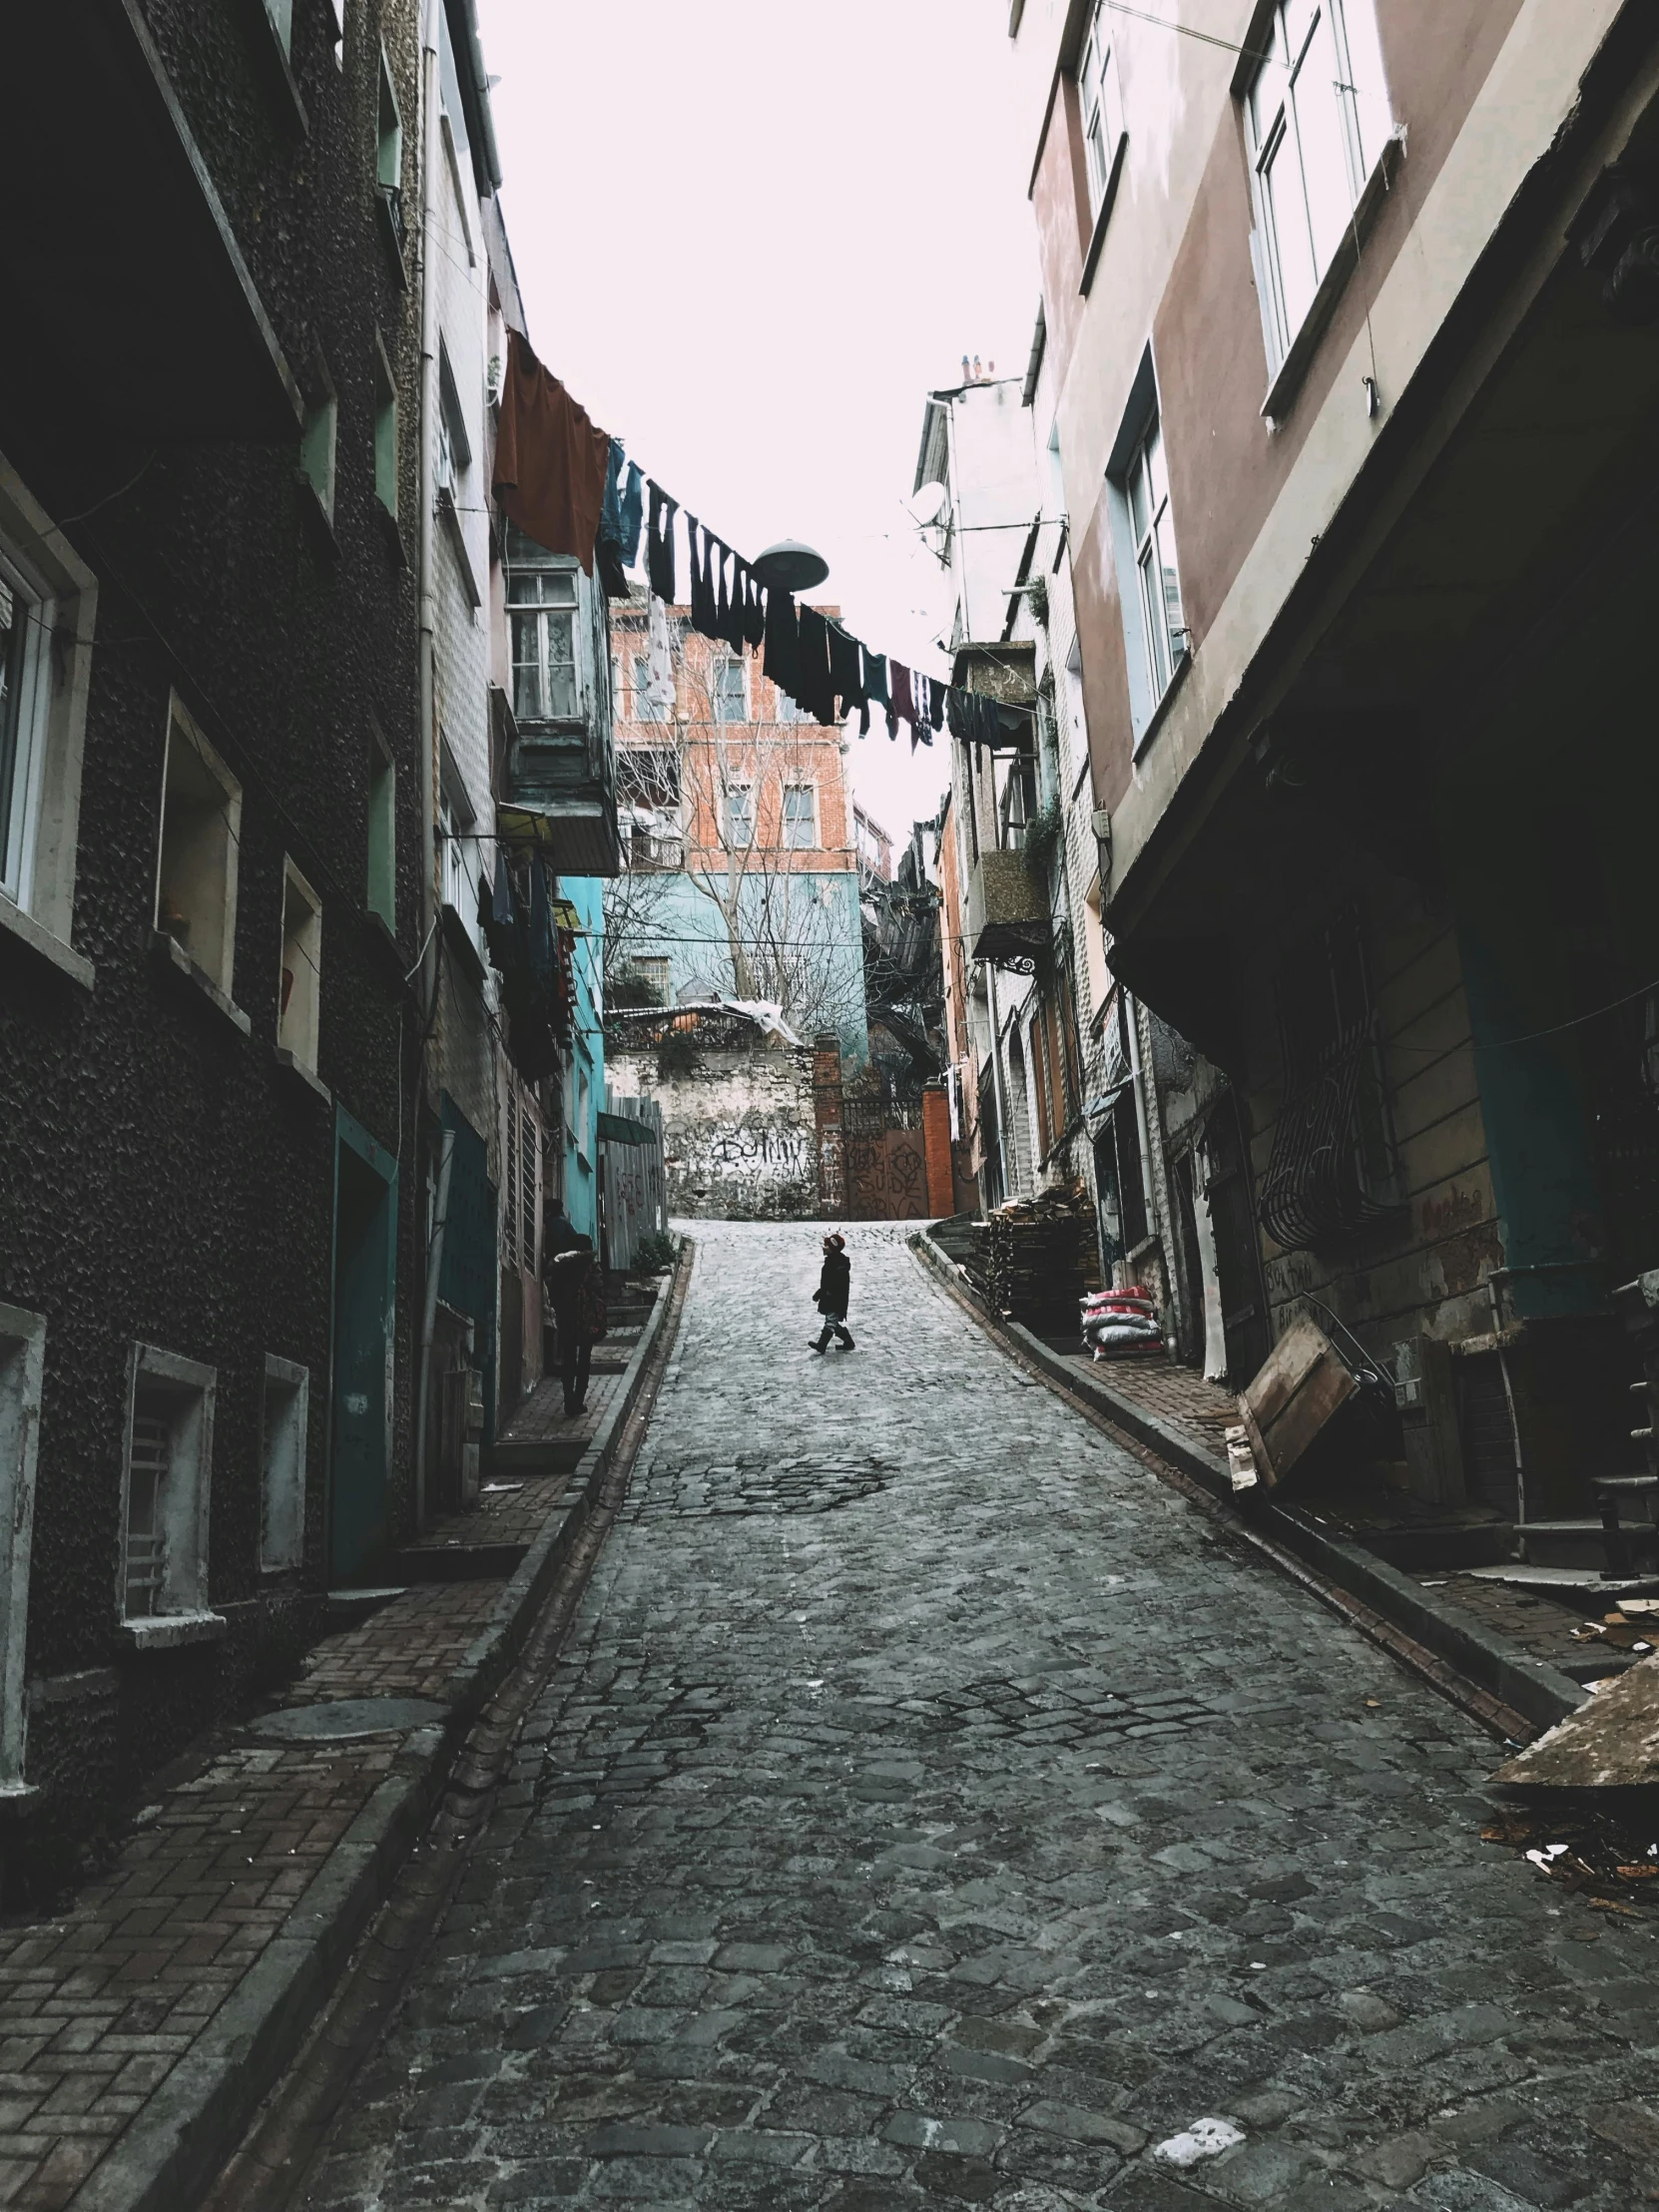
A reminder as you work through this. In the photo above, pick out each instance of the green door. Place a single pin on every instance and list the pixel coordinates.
(365, 1240)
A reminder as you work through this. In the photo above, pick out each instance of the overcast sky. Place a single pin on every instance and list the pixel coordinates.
(752, 234)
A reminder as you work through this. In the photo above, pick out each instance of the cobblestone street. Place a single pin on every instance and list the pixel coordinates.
(931, 1808)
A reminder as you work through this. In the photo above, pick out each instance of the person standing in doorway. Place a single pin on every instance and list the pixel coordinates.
(834, 1287)
(576, 1291)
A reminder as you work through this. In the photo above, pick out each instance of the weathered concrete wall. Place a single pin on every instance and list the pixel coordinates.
(740, 1130)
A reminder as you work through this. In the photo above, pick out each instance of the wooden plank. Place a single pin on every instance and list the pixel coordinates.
(1300, 1386)
(1281, 1374)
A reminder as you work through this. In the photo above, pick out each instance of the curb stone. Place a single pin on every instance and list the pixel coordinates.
(1532, 1687)
(172, 2148)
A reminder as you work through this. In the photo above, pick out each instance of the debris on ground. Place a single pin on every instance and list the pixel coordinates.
(1610, 1742)
(1593, 1854)
(1204, 2139)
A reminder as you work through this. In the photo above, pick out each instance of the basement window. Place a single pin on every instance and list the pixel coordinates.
(22, 1368)
(196, 875)
(300, 1007)
(162, 1589)
(283, 1407)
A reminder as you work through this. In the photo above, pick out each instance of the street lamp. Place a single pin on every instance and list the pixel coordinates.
(791, 566)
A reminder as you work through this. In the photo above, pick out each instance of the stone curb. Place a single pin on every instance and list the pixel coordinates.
(1532, 1687)
(171, 2150)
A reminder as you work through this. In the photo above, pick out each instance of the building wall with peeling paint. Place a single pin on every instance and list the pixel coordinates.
(739, 1129)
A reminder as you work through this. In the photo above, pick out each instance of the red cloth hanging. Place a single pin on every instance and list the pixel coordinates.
(550, 460)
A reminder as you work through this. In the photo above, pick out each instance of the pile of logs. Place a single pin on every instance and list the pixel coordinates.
(1037, 1257)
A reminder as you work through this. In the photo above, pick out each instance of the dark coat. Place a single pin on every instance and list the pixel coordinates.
(576, 1293)
(835, 1285)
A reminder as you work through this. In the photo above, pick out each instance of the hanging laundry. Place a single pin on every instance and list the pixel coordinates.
(900, 706)
(782, 652)
(633, 501)
(550, 458)
(937, 696)
(922, 727)
(704, 612)
(660, 662)
(608, 546)
(499, 918)
(875, 680)
(817, 692)
(847, 672)
(729, 617)
(659, 544)
(753, 610)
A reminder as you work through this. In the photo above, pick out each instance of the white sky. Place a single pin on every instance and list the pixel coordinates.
(752, 234)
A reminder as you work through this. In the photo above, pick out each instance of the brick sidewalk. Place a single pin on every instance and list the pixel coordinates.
(99, 2003)
(1176, 1395)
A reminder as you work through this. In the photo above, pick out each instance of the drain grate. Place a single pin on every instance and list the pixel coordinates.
(816, 1485)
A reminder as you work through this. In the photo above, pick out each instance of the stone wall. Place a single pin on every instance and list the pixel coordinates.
(740, 1132)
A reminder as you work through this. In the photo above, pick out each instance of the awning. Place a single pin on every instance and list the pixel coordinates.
(619, 1129)
(117, 256)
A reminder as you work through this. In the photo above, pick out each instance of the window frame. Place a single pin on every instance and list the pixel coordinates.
(286, 1434)
(719, 698)
(37, 878)
(1129, 469)
(380, 888)
(320, 440)
(1100, 106)
(300, 1022)
(192, 1390)
(1362, 111)
(387, 455)
(745, 793)
(526, 560)
(182, 728)
(789, 843)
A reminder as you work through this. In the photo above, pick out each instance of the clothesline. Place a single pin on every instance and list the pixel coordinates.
(569, 486)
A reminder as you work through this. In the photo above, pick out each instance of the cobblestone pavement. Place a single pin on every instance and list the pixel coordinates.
(931, 1809)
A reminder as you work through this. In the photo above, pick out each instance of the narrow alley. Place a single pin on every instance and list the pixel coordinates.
(930, 1807)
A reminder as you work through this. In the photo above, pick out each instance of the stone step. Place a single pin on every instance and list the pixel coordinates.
(1581, 1544)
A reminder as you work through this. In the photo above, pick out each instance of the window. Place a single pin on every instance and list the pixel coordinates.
(280, 13)
(164, 1552)
(740, 815)
(386, 431)
(584, 1117)
(195, 874)
(22, 1368)
(382, 836)
(389, 155)
(283, 1406)
(25, 629)
(647, 707)
(1316, 119)
(317, 443)
(47, 604)
(509, 1180)
(300, 1007)
(541, 607)
(799, 818)
(1166, 632)
(1071, 693)
(529, 1161)
(336, 30)
(785, 708)
(731, 704)
(454, 455)
(1102, 105)
(651, 978)
(457, 821)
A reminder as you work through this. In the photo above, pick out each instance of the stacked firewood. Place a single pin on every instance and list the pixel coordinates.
(1037, 1257)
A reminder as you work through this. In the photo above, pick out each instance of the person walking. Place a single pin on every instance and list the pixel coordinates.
(834, 1287)
(576, 1291)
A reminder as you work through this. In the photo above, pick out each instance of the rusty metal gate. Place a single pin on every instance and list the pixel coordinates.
(886, 1164)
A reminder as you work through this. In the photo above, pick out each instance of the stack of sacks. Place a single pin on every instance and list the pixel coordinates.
(1116, 1322)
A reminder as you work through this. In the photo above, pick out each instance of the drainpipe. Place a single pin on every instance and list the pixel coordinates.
(430, 1319)
(428, 700)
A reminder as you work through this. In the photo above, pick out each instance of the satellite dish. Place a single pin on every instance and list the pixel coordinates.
(926, 505)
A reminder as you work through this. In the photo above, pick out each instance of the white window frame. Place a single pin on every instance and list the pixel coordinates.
(299, 1024)
(525, 562)
(182, 1613)
(724, 666)
(1100, 100)
(183, 732)
(284, 1413)
(454, 448)
(37, 871)
(792, 843)
(389, 139)
(1143, 535)
(1287, 104)
(739, 818)
(22, 1379)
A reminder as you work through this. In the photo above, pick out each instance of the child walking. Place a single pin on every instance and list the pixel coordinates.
(834, 1287)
